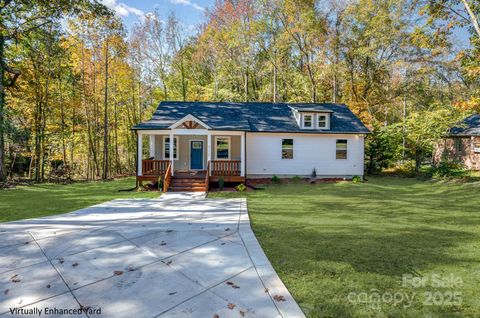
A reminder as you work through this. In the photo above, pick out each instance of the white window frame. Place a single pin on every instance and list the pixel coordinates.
(164, 148)
(327, 121)
(229, 147)
(346, 157)
(293, 149)
(312, 121)
(476, 149)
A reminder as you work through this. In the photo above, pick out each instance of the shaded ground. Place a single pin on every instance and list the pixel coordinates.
(329, 242)
(48, 199)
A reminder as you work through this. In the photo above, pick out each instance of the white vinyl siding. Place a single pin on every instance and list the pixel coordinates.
(310, 151)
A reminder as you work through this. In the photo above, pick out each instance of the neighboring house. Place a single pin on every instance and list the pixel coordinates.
(239, 141)
(462, 143)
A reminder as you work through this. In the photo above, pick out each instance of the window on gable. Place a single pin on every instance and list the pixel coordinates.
(341, 149)
(307, 121)
(287, 148)
(166, 148)
(222, 148)
(322, 121)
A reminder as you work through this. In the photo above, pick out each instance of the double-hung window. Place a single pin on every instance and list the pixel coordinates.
(307, 121)
(166, 148)
(287, 148)
(222, 148)
(341, 149)
(322, 121)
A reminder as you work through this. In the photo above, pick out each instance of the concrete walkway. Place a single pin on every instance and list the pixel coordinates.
(177, 256)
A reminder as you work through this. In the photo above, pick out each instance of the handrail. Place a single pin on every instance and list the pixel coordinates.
(207, 177)
(168, 177)
(154, 167)
(226, 167)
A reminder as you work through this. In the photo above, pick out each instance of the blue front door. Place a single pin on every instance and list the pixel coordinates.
(196, 155)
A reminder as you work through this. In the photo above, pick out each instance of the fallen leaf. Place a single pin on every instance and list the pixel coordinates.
(266, 290)
(279, 298)
(48, 286)
(223, 243)
(118, 273)
(15, 279)
(230, 306)
(60, 260)
(233, 285)
(172, 293)
(130, 268)
(168, 231)
(163, 243)
(75, 264)
(27, 243)
(5, 292)
(242, 313)
(227, 229)
(169, 262)
(216, 316)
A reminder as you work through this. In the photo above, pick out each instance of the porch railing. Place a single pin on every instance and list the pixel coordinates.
(168, 177)
(225, 167)
(152, 167)
(207, 177)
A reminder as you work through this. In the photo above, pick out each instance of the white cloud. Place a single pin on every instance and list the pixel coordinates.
(122, 9)
(188, 3)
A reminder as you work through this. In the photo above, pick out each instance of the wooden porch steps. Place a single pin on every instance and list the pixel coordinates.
(187, 185)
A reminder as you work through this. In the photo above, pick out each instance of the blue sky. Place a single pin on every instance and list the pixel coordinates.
(189, 12)
(192, 12)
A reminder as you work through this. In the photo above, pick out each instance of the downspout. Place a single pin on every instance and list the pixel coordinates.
(245, 154)
(136, 161)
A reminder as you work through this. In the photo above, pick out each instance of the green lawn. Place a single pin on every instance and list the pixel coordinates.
(339, 247)
(46, 199)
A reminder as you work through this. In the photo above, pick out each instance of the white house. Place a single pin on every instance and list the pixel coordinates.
(239, 141)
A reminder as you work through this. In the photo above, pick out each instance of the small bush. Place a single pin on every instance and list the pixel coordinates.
(275, 180)
(241, 187)
(447, 169)
(221, 183)
(160, 184)
(356, 179)
(314, 173)
(296, 179)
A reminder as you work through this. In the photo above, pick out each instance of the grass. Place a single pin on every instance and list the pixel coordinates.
(333, 244)
(46, 199)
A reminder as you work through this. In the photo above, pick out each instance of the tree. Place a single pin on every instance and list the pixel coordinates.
(17, 20)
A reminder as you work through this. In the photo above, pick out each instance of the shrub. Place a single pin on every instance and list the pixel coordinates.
(446, 169)
(275, 180)
(356, 179)
(160, 183)
(221, 183)
(296, 179)
(241, 187)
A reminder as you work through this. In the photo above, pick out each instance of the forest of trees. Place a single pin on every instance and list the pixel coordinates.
(74, 80)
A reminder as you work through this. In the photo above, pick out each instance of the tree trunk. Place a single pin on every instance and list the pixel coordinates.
(105, 118)
(3, 170)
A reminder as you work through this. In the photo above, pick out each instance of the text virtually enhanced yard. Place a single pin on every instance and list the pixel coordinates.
(388, 247)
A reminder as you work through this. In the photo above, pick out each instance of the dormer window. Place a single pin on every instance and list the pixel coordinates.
(322, 121)
(307, 121)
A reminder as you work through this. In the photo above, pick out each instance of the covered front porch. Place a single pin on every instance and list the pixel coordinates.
(194, 154)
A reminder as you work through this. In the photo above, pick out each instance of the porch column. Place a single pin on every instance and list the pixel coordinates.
(152, 146)
(171, 150)
(242, 155)
(139, 152)
(209, 150)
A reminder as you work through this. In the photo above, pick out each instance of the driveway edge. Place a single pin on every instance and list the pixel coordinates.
(283, 300)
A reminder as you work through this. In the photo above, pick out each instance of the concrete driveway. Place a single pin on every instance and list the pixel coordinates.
(177, 256)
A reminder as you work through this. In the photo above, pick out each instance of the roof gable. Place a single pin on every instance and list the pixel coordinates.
(189, 122)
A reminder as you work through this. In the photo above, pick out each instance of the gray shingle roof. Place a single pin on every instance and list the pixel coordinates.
(470, 126)
(254, 117)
